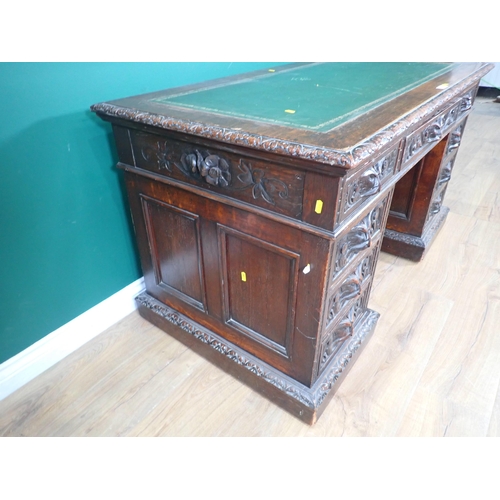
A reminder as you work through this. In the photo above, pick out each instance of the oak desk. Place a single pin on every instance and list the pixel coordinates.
(261, 202)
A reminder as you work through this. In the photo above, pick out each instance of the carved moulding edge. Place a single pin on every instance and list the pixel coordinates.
(343, 158)
(431, 228)
(231, 136)
(310, 397)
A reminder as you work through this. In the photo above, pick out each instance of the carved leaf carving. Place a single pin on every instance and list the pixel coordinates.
(370, 182)
(160, 154)
(341, 332)
(350, 288)
(358, 238)
(262, 187)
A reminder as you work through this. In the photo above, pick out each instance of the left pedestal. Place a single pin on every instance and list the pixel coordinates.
(248, 271)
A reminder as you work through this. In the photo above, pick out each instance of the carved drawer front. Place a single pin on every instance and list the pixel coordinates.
(253, 181)
(420, 142)
(344, 291)
(342, 330)
(363, 234)
(361, 187)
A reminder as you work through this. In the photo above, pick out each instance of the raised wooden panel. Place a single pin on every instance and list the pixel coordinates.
(260, 288)
(174, 241)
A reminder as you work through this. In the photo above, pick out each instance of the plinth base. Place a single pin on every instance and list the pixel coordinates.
(305, 403)
(413, 247)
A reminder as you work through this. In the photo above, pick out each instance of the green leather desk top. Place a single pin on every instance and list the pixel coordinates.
(336, 114)
(316, 96)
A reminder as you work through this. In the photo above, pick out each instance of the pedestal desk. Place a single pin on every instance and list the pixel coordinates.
(261, 202)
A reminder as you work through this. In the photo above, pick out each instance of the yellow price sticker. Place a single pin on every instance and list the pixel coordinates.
(243, 276)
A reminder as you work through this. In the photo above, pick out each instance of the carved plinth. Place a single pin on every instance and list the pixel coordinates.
(414, 247)
(305, 403)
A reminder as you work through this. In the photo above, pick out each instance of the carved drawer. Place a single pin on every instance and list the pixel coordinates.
(420, 142)
(258, 182)
(356, 238)
(347, 304)
(362, 186)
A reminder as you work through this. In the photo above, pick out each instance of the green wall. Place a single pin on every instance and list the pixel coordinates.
(66, 242)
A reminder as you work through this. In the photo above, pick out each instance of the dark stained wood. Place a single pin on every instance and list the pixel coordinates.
(249, 179)
(174, 242)
(320, 200)
(412, 194)
(417, 213)
(260, 288)
(341, 138)
(404, 195)
(259, 242)
(269, 244)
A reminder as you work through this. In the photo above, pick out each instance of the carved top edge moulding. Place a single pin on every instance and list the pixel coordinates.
(364, 107)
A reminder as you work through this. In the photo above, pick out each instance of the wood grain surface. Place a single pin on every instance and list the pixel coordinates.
(431, 368)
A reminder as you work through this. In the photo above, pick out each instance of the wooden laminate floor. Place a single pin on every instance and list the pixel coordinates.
(432, 367)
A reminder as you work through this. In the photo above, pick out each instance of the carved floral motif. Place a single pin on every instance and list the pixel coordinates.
(445, 174)
(437, 201)
(330, 376)
(436, 130)
(212, 168)
(203, 165)
(455, 138)
(158, 154)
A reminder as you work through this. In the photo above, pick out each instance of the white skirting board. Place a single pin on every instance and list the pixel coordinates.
(25, 366)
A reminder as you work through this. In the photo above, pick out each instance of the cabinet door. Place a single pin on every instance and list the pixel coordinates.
(260, 281)
(173, 238)
(256, 282)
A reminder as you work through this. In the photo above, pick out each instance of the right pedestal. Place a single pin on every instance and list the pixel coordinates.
(416, 212)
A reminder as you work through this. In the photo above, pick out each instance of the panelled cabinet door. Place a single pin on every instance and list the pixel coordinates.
(260, 281)
(252, 280)
(175, 251)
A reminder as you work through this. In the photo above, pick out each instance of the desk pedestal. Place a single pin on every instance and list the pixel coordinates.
(417, 212)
